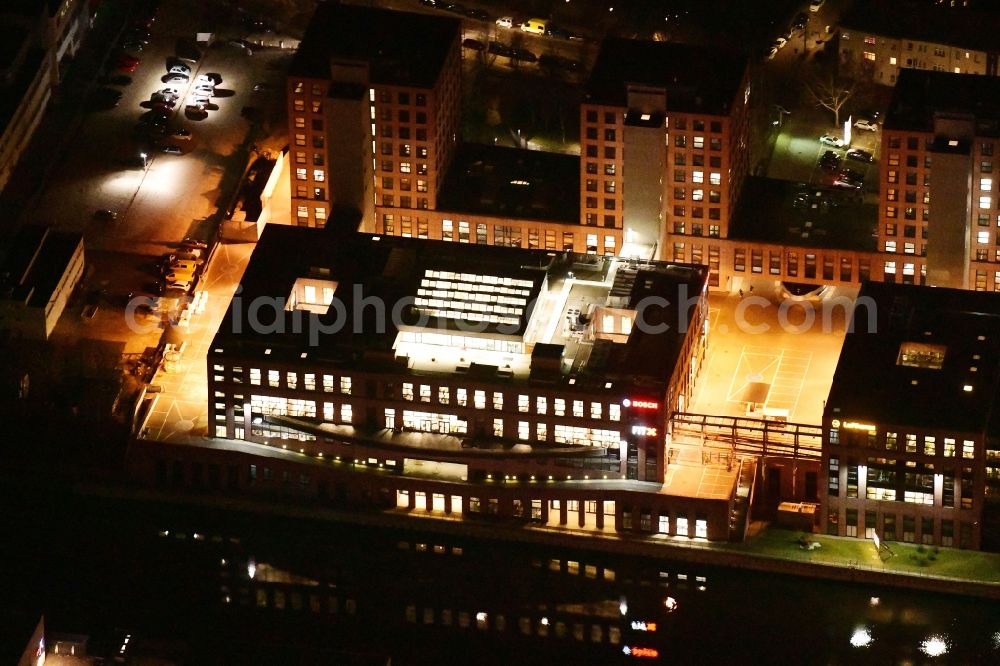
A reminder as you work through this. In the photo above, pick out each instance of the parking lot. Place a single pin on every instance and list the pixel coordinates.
(764, 353)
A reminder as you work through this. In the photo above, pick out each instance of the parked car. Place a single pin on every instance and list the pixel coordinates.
(473, 44)
(830, 161)
(182, 285)
(849, 179)
(175, 78)
(859, 155)
(535, 26)
(171, 150)
(106, 215)
(814, 5)
(497, 48)
(780, 41)
(214, 77)
(179, 68)
(865, 124)
(505, 22)
(182, 134)
(524, 55)
(831, 140)
(800, 21)
(193, 242)
(772, 51)
(561, 33)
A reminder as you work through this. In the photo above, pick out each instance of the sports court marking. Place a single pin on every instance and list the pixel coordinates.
(784, 370)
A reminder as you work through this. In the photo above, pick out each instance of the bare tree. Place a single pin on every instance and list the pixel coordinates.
(830, 92)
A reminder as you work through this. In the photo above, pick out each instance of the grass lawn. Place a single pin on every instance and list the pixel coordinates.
(906, 558)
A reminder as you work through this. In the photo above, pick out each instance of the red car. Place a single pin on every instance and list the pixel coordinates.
(127, 67)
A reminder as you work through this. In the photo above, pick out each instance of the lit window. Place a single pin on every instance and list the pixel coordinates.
(615, 412)
(425, 393)
(318, 175)
(968, 448)
(595, 410)
(523, 430)
(983, 237)
(578, 408)
(715, 178)
(497, 400)
(291, 379)
(404, 167)
(255, 376)
(345, 385)
(892, 60)
(699, 142)
(328, 383)
(984, 202)
(301, 174)
(869, 55)
(407, 391)
(443, 396)
(559, 407)
(480, 399)
(541, 405)
(890, 246)
(523, 403)
(698, 176)
(273, 377)
(986, 184)
(346, 413)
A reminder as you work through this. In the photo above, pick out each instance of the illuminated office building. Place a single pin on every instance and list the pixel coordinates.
(474, 364)
(914, 455)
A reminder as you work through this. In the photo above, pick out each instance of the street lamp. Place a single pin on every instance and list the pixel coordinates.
(143, 156)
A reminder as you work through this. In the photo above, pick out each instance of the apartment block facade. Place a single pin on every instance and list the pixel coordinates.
(373, 108)
(939, 217)
(878, 40)
(664, 148)
(914, 456)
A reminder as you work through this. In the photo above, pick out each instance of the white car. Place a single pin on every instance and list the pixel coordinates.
(505, 22)
(204, 80)
(183, 285)
(179, 69)
(863, 124)
(815, 5)
(780, 41)
(831, 140)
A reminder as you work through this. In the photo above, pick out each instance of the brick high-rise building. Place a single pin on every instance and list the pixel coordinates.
(939, 218)
(373, 110)
(664, 147)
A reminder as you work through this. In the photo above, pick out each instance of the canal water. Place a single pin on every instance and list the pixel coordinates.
(224, 587)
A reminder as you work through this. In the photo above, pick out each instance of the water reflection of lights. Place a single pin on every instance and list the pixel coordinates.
(670, 604)
(934, 646)
(861, 637)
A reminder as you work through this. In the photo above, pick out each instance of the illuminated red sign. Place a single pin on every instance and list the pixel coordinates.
(641, 404)
(641, 652)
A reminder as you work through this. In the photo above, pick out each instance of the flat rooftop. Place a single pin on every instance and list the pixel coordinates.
(930, 360)
(788, 213)
(920, 95)
(498, 313)
(698, 79)
(508, 182)
(36, 261)
(402, 48)
(919, 20)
